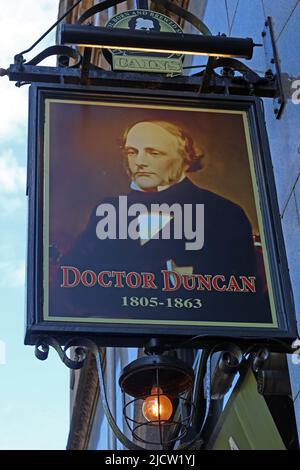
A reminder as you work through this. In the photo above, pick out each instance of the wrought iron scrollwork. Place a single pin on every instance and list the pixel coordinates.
(19, 57)
(181, 12)
(64, 51)
(229, 66)
(82, 347)
(42, 348)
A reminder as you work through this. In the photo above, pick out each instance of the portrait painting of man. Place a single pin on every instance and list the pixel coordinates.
(154, 216)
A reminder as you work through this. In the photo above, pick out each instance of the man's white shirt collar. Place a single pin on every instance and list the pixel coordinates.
(150, 224)
(135, 186)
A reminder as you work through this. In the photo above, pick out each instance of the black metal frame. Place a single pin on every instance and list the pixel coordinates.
(235, 77)
(137, 335)
(247, 83)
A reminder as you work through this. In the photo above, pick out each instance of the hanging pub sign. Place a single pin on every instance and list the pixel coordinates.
(152, 216)
(150, 21)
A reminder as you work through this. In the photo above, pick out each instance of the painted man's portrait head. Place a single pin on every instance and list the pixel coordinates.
(158, 153)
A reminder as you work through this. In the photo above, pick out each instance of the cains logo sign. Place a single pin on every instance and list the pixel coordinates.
(145, 20)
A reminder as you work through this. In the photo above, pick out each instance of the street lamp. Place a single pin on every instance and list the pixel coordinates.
(161, 393)
(155, 42)
(157, 401)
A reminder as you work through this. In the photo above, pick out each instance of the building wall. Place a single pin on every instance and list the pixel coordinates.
(242, 18)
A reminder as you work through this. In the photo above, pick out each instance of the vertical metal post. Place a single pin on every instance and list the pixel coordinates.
(142, 4)
(111, 392)
(123, 362)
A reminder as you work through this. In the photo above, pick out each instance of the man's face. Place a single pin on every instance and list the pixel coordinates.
(153, 156)
(144, 24)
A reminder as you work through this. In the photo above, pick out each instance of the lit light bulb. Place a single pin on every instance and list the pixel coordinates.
(157, 407)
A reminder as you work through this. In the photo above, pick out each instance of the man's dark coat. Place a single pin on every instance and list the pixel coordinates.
(228, 250)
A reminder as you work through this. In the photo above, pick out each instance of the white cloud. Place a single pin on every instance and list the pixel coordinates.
(12, 184)
(9, 205)
(18, 273)
(14, 107)
(12, 175)
(12, 273)
(22, 22)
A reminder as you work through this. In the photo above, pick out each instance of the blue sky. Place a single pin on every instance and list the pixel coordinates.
(34, 395)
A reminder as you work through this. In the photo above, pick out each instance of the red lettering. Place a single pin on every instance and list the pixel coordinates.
(84, 278)
(215, 285)
(148, 281)
(66, 282)
(101, 281)
(185, 281)
(205, 280)
(176, 280)
(248, 283)
(233, 285)
(118, 275)
(137, 280)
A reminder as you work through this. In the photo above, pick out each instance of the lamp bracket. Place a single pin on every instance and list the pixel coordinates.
(82, 346)
(155, 346)
(235, 77)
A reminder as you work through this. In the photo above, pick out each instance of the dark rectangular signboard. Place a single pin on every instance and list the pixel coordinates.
(152, 216)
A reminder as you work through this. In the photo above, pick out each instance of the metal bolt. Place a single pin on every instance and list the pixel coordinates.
(272, 61)
(263, 34)
(269, 74)
(276, 110)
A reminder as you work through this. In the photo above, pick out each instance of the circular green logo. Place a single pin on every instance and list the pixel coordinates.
(145, 20)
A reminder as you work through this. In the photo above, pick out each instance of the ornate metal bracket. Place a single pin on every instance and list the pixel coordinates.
(172, 7)
(42, 348)
(84, 345)
(271, 373)
(234, 77)
(64, 53)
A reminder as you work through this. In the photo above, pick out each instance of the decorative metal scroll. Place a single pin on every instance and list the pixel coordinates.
(82, 345)
(42, 348)
(64, 51)
(181, 12)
